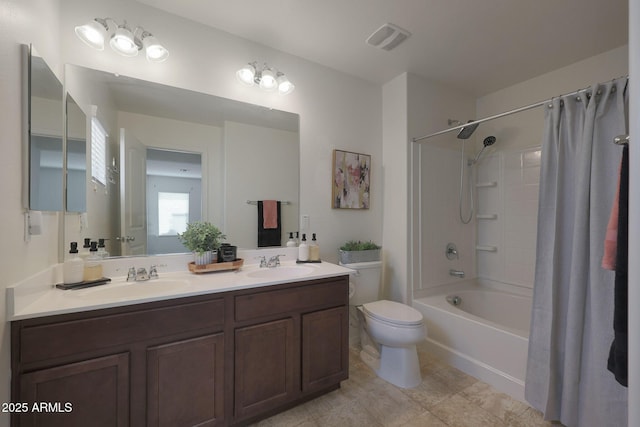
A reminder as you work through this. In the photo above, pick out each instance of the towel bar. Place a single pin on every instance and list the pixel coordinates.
(255, 202)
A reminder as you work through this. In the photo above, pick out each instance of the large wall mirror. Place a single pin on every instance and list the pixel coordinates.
(158, 157)
(43, 180)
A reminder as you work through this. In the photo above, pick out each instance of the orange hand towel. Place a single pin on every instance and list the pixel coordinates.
(269, 214)
(611, 237)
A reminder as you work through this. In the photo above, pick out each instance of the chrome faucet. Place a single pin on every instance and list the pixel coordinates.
(153, 272)
(274, 261)
(141, 275)
(456, 273)
(263, 261)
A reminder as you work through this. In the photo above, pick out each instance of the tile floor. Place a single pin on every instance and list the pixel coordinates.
(447, 397)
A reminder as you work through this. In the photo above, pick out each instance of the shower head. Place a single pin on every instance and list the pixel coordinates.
(466, 131)
(488, 141)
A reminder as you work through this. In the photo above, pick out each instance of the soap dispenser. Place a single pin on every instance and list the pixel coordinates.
(93, 265)
(291, 243)
(73, 268)
(102, 252)
(85, 248)
(314, 249)
(303, 249)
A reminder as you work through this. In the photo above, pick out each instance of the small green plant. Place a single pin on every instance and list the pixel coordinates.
(201, 236)
(357, 245)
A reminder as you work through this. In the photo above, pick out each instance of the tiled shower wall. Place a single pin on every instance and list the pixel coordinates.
(507, 183)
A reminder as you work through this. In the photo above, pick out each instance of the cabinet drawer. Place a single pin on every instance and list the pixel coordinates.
(41, 342)
(297, 299)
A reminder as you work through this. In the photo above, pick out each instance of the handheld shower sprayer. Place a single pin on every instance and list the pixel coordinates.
(488, 141)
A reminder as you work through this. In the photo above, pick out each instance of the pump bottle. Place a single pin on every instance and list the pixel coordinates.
(303, 249)
(73, 268)
(93, 265)
(314, 249)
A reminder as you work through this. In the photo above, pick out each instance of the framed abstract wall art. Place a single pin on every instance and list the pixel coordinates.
(351, 180)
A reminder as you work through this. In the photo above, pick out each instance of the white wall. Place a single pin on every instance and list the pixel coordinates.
(20, 22)
(250, 154)
(395, 161)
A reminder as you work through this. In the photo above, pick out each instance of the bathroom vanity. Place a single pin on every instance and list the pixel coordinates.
(208, 358)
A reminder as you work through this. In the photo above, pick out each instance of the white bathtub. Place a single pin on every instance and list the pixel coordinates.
(486, 335)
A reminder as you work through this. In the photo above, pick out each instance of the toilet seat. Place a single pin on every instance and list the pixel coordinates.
(393, 312)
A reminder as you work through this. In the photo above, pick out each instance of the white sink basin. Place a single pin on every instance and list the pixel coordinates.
(129, 290)
(282, 272)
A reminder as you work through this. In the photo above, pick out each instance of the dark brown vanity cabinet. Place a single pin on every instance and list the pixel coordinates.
(210, 360)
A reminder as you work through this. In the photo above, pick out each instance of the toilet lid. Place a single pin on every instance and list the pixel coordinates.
(393, 312)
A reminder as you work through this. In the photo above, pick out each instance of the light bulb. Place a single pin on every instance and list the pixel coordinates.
(123, 42)
(154, 50)
(93, 34)
(246, 74)
(285, 87)
(268, 80)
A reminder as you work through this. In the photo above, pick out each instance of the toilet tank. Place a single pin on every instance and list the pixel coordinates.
(365, 284)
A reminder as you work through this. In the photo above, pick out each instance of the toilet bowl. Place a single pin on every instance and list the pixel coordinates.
(396, 328)
(389, 330)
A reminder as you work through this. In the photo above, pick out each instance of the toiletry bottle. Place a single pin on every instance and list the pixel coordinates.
(93, 265)
(291, 243)
(102, 252)
(303, 249)
(297, 238)
(73, 268)
(314, 249)
(84, 253)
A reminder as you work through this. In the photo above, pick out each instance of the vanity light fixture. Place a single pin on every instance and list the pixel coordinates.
(266, 77)
(122, 39)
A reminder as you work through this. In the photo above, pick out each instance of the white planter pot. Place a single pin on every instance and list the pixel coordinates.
(350, 257)
(205, 258)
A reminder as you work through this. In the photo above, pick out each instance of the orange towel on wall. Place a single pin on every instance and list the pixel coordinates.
(270, 214)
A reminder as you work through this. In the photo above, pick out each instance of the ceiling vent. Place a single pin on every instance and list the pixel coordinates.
(388, 37)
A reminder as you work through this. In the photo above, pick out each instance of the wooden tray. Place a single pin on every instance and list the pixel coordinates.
(216, 266)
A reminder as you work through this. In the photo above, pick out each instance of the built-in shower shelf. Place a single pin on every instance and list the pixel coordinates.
(486, 184)
(487, 248)
(487, 216)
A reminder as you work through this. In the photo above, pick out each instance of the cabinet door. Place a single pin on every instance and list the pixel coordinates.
(185, 384)
(265, 368)
(325, 348)
(93, 393)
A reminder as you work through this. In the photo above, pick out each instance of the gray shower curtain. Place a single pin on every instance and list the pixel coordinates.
(572, 316)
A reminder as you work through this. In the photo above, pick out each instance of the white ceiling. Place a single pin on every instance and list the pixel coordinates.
(476, 46)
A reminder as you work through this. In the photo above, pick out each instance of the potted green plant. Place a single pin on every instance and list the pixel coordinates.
(357, 251)
(203, 239)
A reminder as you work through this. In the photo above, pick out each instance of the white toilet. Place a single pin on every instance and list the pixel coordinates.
(394, 328)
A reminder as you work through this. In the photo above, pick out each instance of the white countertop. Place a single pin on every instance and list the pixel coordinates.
(38, 297)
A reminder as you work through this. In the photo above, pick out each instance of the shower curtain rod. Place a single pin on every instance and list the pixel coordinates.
(497, 116)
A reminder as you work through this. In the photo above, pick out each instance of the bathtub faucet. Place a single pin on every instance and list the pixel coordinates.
(456, 273)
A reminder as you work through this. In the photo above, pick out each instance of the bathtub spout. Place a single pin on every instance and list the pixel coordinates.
(456, 273)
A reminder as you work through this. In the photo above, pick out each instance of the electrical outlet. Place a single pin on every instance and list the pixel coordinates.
(304, 222)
